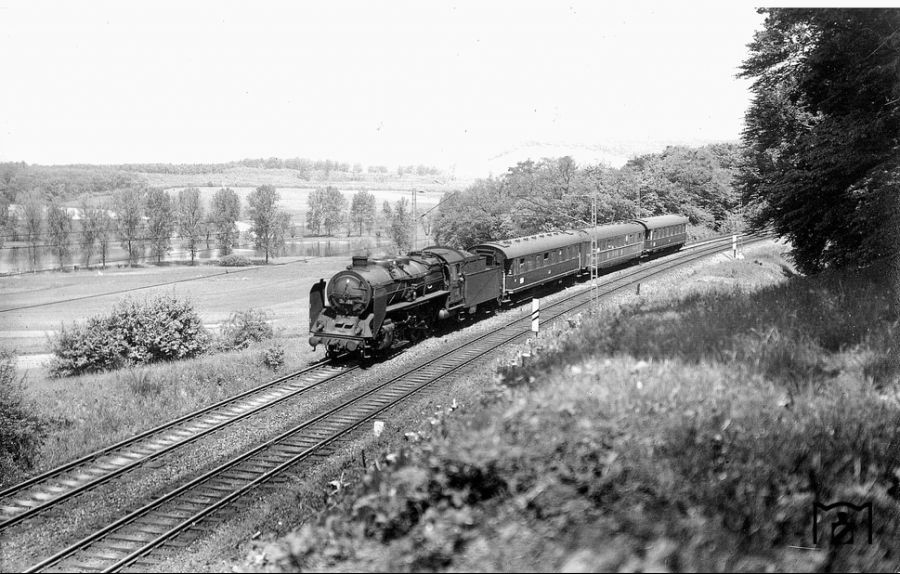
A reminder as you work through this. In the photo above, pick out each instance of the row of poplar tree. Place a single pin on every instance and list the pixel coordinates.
(138, 218)
(329, 211)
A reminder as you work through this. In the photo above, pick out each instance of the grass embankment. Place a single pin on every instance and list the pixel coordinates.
(91, 411)
(692, 430)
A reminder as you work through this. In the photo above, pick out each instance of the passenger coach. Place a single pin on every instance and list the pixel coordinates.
(663, 233)
(534, 260)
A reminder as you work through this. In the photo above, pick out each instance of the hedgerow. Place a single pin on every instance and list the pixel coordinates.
(234, 261)
(135, 332)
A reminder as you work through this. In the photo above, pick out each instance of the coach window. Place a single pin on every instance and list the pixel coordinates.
(546, 258)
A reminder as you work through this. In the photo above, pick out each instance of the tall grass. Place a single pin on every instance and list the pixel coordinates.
(94, 410)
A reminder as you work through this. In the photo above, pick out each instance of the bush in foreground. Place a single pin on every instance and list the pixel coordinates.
(135, 332)
(21, 430)
(245, 327)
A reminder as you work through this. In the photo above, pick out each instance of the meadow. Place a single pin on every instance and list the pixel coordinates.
(281, 290)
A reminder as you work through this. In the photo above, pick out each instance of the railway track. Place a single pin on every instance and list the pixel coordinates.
(127, 542)
(50, 489)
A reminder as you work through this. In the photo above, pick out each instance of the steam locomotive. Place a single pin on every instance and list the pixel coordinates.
(378, 304)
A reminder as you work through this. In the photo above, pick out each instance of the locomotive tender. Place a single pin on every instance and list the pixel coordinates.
(377, 304)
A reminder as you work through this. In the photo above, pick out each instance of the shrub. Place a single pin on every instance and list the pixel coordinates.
(21, 430)
(234, 261)
(245, 327)
(135, 332)
(274, 357)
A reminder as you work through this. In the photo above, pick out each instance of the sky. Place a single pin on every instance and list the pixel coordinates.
(390, 82)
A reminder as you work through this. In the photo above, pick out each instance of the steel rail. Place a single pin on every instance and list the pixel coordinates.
(51, 488)
(348, 424)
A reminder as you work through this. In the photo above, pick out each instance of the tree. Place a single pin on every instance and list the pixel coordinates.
(823, 133)
(129, 206)
(326, 209)
(315, 210)
(160, 222)
(190, 219)
(96, 228)
(269, 225)
(105, 228)
(33, 220)
(226, 209)
(4, 218)
(387, 214)
(362, 211)
(59, 230)
(401, 225)
(88, 237)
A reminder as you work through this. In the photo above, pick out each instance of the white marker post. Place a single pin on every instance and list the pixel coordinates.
(535, 314)
(734, 246)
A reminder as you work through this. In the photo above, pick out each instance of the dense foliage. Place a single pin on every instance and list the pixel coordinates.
(823, 132)
(557, 194)
(61, 182)
(21, 430)
(134, 332)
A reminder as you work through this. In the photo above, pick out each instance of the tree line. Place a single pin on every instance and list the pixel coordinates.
(329, 211)
(141, 219)
(557, 193)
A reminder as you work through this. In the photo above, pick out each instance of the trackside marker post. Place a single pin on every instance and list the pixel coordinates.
(535, 314)
(734, 246)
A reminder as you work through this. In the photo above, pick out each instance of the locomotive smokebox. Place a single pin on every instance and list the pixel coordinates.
(360, 261)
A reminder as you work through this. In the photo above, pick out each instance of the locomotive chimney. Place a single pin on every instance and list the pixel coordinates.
(360, 261)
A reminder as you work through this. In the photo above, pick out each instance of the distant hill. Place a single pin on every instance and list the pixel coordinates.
(614, 154)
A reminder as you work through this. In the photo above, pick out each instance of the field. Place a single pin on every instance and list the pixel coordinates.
(252, 177)
(281, 290)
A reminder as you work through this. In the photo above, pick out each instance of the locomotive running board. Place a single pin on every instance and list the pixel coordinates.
(406, 304)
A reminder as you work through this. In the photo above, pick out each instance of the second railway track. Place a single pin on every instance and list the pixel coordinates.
(48, 490)
(129, 540)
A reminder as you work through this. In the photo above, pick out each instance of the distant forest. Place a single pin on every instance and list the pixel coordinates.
(66, 182)
(552, 194)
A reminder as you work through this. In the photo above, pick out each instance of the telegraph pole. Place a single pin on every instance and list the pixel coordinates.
(595, 256)
(415, 221)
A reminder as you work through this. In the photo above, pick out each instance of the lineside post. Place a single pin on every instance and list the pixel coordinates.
(535, 315)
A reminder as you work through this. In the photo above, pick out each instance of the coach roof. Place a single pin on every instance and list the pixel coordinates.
(614, 230)
(540, 243)
(662, 221)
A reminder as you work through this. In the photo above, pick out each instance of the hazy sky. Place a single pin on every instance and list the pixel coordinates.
(435, 82)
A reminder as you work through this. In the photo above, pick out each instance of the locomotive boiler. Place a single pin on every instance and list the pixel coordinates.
(377, 304)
